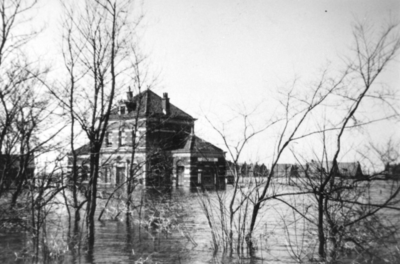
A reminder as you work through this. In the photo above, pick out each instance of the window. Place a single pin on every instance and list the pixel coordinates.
(123, 138)
(199, 176)
(108, 139)
(120, 176)
(106, 175)
(208, 159)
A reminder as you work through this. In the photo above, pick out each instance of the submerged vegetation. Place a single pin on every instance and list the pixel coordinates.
(168, 226)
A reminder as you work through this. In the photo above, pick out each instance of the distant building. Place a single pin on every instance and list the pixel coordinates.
(349, 170)
(244, 170)
(285, 171)
(166, 149)
(339, 169)
(16, 168)
(314, 169)
(392, 171)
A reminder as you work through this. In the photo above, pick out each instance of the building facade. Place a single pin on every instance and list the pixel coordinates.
(153, 141)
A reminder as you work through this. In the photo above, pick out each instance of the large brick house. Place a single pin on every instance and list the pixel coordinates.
(164, 145)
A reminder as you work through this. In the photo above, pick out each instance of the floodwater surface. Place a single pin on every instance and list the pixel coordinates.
(167, 226)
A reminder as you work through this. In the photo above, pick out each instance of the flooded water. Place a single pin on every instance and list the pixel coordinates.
(173, 229)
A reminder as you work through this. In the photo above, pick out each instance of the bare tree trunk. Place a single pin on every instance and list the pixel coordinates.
(92, 194)
(321, 234)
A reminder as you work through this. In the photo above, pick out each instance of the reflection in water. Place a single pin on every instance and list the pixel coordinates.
(166, 226)
(160, 236)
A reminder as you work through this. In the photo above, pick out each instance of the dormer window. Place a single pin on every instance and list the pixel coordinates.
(122, 110)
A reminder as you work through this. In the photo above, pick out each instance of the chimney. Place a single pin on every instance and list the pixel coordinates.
(165, 104)
(129, 95)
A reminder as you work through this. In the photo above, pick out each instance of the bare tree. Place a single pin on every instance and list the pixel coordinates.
(98, 37)
(25, 111)
(28, 125)
(228, 212)
(337, 199)
(388, 153)
(345, 208)
(14, 76)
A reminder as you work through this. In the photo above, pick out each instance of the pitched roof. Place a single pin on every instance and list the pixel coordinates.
(348, 168)
(148, 104)
(85, 149)
(194, 144)
(9, 160)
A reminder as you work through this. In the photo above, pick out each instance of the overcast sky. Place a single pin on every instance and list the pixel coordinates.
(211, 55)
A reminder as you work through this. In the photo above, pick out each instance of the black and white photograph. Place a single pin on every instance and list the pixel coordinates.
(200, 131)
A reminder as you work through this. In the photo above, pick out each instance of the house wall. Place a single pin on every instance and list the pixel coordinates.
(120, 134)
(115, 168)
(153, 134)
(199, 171)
